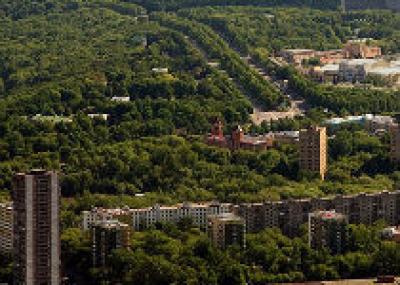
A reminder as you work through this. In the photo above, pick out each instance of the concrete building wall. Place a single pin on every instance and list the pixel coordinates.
(6, 228)
(290, 215)
(328, 229)
(394, 132)
(313, 148)
(36, 250)
(226, 229)
(145, 217)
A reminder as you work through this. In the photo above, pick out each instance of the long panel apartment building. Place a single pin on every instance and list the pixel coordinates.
(290, 215)
(143, 218)
(287, 215)
(146, 217)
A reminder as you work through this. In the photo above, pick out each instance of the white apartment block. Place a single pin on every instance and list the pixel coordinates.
(198, 212)
(6, 227)
(146, 217)
(101, 215)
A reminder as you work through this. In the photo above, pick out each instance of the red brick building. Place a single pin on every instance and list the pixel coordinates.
(238, 139)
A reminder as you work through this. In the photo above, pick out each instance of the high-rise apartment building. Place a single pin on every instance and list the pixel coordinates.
(107, 236)
(6, 228)
(394, 132)
(36, 250)
(313, 148)
(226, 229)
(328, 229)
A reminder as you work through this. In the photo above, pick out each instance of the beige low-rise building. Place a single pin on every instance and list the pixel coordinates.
(328, 73)
(389, 75)
(360, 48)
(356, 70)
(297, 56)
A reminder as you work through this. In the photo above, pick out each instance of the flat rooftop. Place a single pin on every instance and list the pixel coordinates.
(298, 50)
(359, 61)
(393, 70)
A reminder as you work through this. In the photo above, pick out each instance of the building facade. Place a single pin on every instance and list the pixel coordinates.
(313, 150)
(328, 229)
(106, 237)
(144, 218)
(216, 136)
(6, 228)
(36, 247)
(394, 132)
(391, 233)
(360, 49)
(100, 215)
(290, 215)
(226, 229)
(198, 212)
(239, 140)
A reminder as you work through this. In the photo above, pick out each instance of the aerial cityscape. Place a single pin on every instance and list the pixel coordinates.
(200, 142)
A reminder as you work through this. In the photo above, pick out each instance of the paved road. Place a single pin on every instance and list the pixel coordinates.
(297, 105)
(257, 107)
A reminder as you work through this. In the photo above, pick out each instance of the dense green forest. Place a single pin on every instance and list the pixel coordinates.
(262, 32)
(182, 255)
(68, 59)
(169, 254)
(179, 4)
(279, 28)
